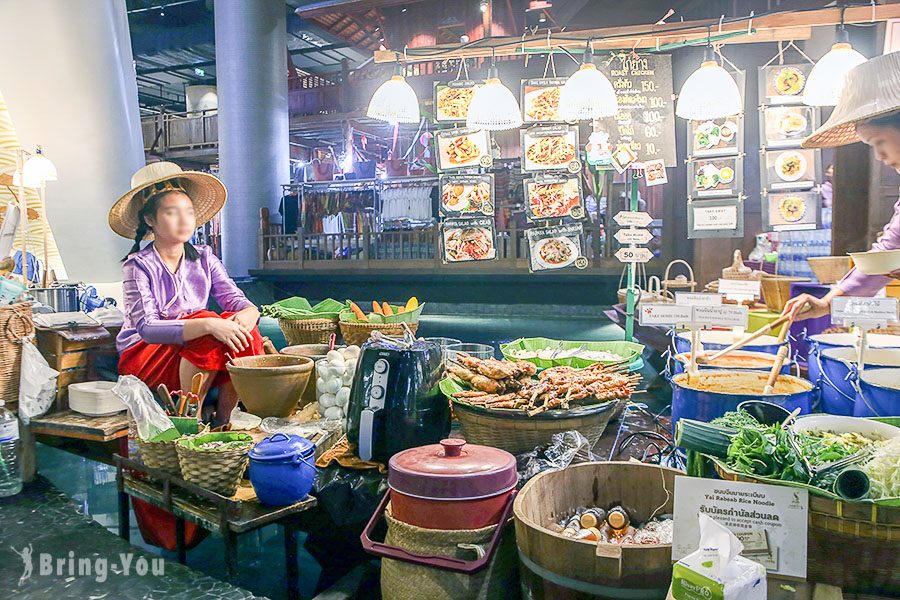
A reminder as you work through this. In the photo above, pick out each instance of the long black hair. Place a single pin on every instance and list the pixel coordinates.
(149, 210)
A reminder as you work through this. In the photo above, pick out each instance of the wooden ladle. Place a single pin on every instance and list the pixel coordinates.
(779, 359)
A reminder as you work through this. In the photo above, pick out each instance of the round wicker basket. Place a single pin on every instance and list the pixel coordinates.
(218, 470)
(307, 331)
(358, 333)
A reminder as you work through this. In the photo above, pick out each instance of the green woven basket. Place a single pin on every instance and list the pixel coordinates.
(218, 469)
(629, 351)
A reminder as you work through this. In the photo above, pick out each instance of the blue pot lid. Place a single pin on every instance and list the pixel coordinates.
(281, 446)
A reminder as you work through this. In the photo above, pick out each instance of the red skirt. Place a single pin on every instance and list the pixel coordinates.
(159, 363)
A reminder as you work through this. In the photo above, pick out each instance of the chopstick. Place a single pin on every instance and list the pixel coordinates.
(745, 340)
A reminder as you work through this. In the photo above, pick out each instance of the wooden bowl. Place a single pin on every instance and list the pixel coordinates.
(270, 385)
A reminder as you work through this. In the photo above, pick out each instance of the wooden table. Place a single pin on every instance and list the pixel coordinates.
(70, 424)
(228, 517)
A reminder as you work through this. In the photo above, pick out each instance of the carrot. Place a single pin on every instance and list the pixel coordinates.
(387, 309)
(360, 315)
(376, 308)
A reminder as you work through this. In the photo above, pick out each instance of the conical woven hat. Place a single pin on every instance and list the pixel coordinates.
(206, 191)
(872, 90)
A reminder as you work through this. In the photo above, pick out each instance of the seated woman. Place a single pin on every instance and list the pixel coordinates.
(169, 335)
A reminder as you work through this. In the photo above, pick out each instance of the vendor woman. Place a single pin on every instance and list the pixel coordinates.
(169, 335)
(868, 111)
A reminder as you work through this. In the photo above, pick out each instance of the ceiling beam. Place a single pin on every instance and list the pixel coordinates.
(328, 7)
(779, 26)
(210, 63)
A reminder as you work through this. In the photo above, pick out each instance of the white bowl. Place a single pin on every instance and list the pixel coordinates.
(838, 424)
(877, 263)
(94, 398)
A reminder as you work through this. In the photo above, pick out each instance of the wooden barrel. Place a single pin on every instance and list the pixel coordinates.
(559, 567)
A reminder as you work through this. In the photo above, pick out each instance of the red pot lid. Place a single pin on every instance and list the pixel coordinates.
(452, 470)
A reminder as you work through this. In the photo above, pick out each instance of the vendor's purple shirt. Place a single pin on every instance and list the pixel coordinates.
(857, 283)
(155, 297)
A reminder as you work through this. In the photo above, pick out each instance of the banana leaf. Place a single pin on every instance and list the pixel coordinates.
(628, 351)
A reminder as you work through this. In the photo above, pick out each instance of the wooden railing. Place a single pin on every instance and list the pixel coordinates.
(180, 131)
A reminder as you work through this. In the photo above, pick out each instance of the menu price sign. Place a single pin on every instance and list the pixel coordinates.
(720, 218)
(697, 299)
(853, 310)
(664, 314)
(646, 117)
(723, 315)
(739, 289)
(770, 520)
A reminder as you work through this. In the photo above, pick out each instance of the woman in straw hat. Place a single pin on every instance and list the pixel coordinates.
(169, 335)
(868, 111)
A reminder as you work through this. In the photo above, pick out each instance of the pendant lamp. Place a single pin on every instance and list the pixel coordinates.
(587, 94)
(395, 101)
(826, 80)
(493, 106)
(709, 93)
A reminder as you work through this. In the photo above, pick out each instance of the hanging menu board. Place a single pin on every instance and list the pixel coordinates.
(646, 118)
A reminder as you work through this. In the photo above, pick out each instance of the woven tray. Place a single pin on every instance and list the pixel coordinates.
(358, 333)
(219, 471)
(15, 324)
(307, 331)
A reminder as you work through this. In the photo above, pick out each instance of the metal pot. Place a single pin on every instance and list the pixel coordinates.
(61, 298)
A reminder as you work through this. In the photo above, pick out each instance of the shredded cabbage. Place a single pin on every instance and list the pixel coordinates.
(883, 470)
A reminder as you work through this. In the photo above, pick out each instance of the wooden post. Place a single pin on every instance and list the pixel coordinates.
(263, 234)
(850, 209)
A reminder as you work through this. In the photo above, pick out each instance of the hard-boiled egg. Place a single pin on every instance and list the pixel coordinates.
(334, 412)
(327, 400)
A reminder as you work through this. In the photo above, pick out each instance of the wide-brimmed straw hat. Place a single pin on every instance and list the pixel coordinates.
(206, 191)
(872, 90)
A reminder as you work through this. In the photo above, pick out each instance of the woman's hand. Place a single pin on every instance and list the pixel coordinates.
(246, 318)
(806, 306)
(229, 332)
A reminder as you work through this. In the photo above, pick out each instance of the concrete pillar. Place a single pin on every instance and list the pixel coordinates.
(251, 74)
(67, 74)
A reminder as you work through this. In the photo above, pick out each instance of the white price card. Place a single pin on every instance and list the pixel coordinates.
(849, 310)
(634, 255)
(697, 299)
(734, 288)
(626, 218)
(633, 236)
(725, 315)
(664, 314)
(770, 520)
(715, 217)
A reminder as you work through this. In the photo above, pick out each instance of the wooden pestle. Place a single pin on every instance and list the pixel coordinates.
(779, 359)
(745, 340)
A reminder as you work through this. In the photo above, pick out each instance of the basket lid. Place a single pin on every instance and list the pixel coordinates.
(282, 446)
(452, 470)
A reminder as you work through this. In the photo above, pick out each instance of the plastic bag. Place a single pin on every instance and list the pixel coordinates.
(564, 449)
(151, 421)
(716, 571)
(37, 383)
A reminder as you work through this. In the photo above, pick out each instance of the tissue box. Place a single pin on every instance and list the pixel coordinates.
(743, 580)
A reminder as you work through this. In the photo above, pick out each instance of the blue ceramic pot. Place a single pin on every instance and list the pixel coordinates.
(282, 469)
(877, 393)
(836, 365)
(713, 340)
(680, 360)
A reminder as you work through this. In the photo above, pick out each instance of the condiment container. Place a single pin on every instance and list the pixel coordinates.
(282, 469)
(451, 485)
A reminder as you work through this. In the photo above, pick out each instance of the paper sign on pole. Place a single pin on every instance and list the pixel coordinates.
(633, 236)
(852, 310)
(697, 299)
(664, 314)
(739, 289)
(634, 255)
(725, 315)
(770, 520)
(627, 218)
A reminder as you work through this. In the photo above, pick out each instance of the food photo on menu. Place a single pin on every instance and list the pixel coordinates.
(462, 148)
(715, 136)
(540, 99)
(467, 195)
(786, 125)
(788, 169)
(452, 99)
(465, 240)
(556, 247)
(553, 148)
(792, 210)
(553, 197)
(784, 84)
(716, 176)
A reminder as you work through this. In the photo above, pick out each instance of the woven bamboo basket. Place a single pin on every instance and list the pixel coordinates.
(307, 331)
(829, 269)
(217, 470)
(358, 333)
(15, 324)
(776, 290)
(851, 545)
(516, 432)
(162, 455)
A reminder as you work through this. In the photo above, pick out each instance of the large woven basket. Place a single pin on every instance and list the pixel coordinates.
(516, 432)
(776, 290)
(358, 333)
(162, 455)
(15, 324)
(307, 331)
(219, 471)
(829, 269)
(851, 545)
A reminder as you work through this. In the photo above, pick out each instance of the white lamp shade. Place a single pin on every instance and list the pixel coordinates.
(826, 80)
(395, 102)
(709, 93)
(37, 170)
(494, 108)
(587, 94)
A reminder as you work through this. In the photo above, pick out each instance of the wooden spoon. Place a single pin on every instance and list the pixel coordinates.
(779, 359)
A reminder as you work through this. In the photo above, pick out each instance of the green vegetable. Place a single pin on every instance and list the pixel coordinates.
(707, 438)
(737, 420)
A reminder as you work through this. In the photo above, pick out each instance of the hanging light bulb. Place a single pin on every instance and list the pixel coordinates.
(587, 94)
(710, 92)
(38, 169)
(395, 101)
(826, 80)
(493, 106)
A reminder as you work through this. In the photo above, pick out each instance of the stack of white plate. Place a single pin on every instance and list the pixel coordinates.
(94, 398)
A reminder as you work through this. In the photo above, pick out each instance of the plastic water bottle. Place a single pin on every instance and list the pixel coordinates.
(10, 471)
